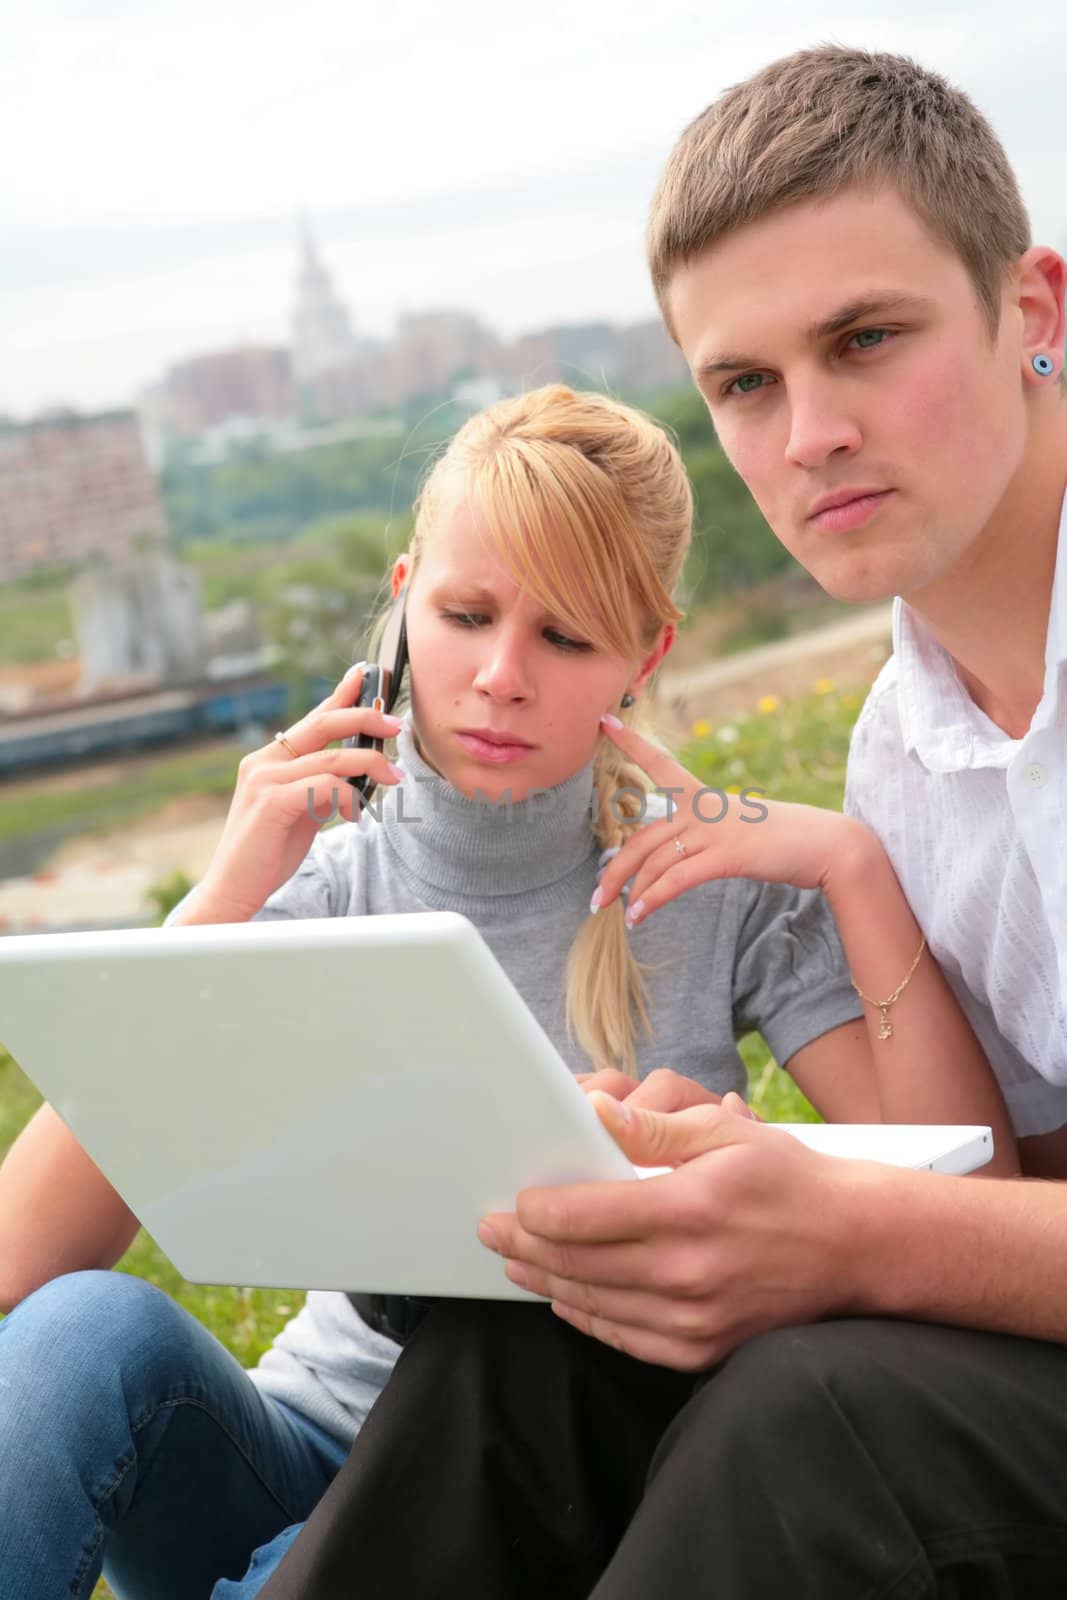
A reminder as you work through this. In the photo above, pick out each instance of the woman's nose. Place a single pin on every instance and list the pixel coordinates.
(503, 673)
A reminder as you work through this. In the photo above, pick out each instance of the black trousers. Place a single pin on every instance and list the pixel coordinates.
(511, 1457)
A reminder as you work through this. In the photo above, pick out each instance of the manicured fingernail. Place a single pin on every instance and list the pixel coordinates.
(608, 721)
(488, 1237)
(617, 1110)
(398, 772)
(393, 722)
(353, 670)
(595, 902)
(634, 913)
(517, 1273)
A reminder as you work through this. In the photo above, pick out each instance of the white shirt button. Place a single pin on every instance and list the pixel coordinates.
(1035, 775)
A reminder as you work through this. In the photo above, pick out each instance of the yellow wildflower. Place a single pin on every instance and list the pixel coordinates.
(769, 703)
(701, 729)
(824, 686)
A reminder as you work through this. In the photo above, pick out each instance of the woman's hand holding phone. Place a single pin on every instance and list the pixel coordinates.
(281, 800)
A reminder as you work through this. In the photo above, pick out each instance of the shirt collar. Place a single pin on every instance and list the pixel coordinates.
(940, 723)
(1056, 644)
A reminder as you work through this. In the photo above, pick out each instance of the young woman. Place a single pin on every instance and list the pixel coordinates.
(549, 540)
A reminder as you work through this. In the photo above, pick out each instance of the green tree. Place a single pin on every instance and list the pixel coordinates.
(733, 547)
(316, 605)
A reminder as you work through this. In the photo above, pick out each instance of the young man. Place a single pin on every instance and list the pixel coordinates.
(839, 247)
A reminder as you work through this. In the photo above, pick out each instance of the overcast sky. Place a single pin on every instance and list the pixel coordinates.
(155, 156)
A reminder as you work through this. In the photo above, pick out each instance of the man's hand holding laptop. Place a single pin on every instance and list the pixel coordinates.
(752, 1231)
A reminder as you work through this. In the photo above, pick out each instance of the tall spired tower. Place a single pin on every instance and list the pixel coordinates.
(322, 331)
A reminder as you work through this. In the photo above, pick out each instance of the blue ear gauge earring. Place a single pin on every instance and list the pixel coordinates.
(627, 701)
(1042, 365)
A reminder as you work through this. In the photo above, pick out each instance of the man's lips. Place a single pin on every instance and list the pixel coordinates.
(840, 513)
(843, 497)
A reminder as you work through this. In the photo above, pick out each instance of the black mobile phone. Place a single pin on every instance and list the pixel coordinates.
(381, 685)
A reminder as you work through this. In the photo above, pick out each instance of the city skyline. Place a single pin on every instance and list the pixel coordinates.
(268, 249)
(501, 166)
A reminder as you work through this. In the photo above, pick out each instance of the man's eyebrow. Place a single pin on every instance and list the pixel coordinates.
(854, 311)
(873, 305)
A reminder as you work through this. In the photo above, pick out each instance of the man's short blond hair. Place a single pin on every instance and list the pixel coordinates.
(827, 119)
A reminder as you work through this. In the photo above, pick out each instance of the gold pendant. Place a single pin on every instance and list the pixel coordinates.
(886, 1030)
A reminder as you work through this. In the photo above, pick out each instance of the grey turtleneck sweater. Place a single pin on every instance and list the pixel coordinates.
(733, 955)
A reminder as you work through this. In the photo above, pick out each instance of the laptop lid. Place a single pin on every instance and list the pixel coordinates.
(329, 1103)
(323, 1103)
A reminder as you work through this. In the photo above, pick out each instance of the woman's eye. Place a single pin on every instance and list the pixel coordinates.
(565, 643)
(470, 619)
(466, 619)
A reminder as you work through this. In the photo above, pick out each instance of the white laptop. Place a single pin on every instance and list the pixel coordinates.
(330, 1103)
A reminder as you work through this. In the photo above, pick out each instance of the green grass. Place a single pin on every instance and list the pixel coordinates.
(795, 751)
(32, 621)
(28, 808)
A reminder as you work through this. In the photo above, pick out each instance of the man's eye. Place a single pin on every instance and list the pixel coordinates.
(747, 383)
(871, 337)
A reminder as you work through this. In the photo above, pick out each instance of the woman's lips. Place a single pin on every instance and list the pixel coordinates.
(484, 750)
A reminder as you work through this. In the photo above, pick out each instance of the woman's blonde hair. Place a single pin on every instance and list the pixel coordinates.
(588, 505)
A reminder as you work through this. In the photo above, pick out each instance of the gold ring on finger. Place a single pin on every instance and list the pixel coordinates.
(283, 740)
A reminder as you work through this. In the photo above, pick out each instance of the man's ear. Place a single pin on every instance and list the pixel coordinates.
(1042, 284)
(659, 650)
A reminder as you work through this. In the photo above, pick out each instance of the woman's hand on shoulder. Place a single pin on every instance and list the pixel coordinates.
(708, 834)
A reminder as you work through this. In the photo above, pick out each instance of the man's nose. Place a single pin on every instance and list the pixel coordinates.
(820, 425)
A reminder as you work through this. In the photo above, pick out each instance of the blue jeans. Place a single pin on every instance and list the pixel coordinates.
(264, 1562)
(132, 1442)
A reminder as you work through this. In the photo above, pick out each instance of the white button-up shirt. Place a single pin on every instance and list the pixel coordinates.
(975, 824)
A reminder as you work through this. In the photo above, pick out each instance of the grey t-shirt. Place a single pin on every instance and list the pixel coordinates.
(730, 955)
